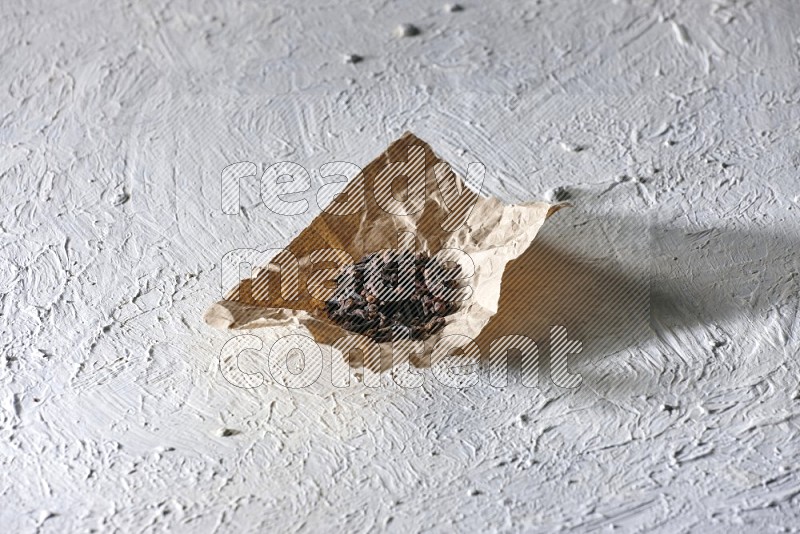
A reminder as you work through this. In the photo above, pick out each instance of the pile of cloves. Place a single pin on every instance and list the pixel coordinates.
(394, 295)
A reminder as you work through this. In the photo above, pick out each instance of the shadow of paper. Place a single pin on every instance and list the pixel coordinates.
(717, 276)
(615, 283)
(589, 277)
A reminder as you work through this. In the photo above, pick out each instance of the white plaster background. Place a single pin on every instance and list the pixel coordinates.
(116, 120)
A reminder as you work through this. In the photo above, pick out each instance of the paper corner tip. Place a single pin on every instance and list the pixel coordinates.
(218, 316)
(556, 207)
(407, 136)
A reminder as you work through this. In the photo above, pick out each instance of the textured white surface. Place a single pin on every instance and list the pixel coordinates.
(675, 121)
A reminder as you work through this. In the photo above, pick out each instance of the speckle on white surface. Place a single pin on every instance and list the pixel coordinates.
(557, 194)
(681, 34)
(120, 198)
(113, 397)
(352, 58)
(453, 8)
(570, 147)
(406, 30)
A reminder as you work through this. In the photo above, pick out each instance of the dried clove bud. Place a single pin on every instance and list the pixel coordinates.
(388, 296)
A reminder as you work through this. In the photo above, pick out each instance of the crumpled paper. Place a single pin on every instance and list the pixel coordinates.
(375, 212)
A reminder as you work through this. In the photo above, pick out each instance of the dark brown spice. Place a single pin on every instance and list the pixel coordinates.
(394, 295)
